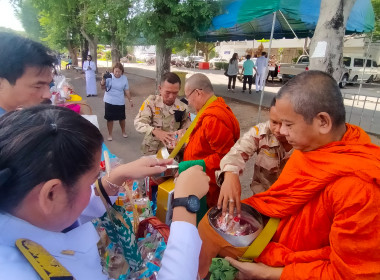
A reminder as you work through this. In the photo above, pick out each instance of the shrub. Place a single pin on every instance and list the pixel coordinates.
(221, 65)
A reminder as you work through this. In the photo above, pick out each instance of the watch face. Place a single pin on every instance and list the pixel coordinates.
(193, 204)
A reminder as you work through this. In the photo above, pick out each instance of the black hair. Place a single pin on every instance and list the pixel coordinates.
(234, 57)
(273, 102)
(89, 55)
(17, 53)
(171, 77)
(41, 143)
(263, 53)
(248, 57)
(313, 92)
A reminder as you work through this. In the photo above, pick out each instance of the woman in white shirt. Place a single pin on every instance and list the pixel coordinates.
(116, 88)
(49, 158)
(233, 70)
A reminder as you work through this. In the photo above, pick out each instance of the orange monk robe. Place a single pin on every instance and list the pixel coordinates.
(216, 132)
(329, 204)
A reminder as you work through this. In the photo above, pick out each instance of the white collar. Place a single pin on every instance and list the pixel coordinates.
(80, 239)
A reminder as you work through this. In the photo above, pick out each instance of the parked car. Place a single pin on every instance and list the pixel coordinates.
(355, 66)
(216, 59)
(242, 62)
(289, 70)
(193, 61)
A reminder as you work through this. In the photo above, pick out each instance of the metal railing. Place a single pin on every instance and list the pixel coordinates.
(364, 111)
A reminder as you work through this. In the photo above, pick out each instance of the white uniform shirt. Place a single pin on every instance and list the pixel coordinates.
(261, 63)
(180, 259)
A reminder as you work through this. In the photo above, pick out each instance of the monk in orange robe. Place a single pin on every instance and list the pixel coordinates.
(327, 195)
(216, 131)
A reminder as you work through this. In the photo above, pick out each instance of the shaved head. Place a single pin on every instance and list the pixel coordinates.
(313, 92)
(200, 81)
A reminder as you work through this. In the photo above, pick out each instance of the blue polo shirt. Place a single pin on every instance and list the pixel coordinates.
(248, 67)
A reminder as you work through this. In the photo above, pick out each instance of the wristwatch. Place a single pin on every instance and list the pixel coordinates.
(191, 203)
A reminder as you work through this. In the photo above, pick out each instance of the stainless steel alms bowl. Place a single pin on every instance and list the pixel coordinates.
(249, 214)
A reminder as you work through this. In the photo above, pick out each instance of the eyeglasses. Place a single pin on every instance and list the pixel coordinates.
(187, 97)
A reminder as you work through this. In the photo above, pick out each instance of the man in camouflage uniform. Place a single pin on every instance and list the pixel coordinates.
(272, 152)
(162, 118)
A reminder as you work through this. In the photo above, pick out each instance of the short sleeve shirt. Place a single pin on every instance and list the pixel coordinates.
(248, 67)
(115, 95)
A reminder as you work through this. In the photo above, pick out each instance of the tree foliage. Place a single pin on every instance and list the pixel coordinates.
(376, 8)
(167, 22)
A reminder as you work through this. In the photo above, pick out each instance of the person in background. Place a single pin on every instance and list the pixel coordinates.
(25, 72)
(261, 66)
(117, 87)
(58, 65)
(232, 71)
(89, 68)
(272, 68)
(248, 67)
(162, 117)
(69, 63)
(38, 201)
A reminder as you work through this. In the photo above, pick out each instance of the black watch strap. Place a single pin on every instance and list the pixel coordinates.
(182, 201)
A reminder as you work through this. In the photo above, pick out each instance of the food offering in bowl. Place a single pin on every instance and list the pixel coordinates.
(238, 231)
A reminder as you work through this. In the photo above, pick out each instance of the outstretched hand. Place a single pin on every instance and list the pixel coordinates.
(230, 193)
(146, 166)
(256, 271)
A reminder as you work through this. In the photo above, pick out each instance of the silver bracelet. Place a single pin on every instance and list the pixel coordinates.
(113, 186)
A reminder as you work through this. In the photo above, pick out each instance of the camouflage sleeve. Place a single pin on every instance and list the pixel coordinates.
(144, 118)
(239, 154)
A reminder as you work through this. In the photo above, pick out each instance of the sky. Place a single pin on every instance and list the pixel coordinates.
(7, 16)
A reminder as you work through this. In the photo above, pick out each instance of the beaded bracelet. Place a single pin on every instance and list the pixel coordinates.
(113, 186)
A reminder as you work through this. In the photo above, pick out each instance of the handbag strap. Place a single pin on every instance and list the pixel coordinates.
(258, 245)
(107, 203)
(186, 136)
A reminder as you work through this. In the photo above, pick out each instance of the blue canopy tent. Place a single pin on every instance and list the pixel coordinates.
(250, 19)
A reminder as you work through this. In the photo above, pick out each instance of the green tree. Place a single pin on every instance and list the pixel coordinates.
(376, 8)
(28, 15)
(167, 22)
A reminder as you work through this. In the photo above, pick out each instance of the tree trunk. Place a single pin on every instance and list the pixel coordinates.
(163, 56)
(326, 47)
(115, 53)
(84, 50)
(92, 45)
(73, 52)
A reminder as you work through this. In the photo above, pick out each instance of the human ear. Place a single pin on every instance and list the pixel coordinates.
(52, 195)
(324, 122)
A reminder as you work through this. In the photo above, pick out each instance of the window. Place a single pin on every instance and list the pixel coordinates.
(374, 64)
(347, 61)
(368, 64)
(358, 62)
(304, 59)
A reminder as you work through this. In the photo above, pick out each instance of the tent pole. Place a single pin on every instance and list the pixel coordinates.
(364, 66)
(295, 35)
(266, 67)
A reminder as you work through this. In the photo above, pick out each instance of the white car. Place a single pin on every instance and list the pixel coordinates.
(242, 62)
(216, 59)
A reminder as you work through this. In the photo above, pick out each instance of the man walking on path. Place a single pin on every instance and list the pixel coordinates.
(261, 64)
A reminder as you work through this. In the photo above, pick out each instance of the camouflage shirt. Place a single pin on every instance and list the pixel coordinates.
(155, 114)
(270, 157)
